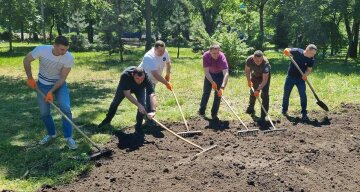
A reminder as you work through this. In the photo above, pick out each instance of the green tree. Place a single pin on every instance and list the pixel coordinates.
(77, 21)
(118, 16)
(209, 11)
(179, 22)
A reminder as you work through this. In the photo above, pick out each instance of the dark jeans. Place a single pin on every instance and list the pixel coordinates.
(289, 84)
(119, 96)
(147, 101)
(264, 95)
(218, 78)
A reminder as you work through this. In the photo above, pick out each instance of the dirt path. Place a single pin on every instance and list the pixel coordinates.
(323, 155)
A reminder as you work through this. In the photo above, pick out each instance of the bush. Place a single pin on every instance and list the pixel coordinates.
(232, 46)
(78, 42)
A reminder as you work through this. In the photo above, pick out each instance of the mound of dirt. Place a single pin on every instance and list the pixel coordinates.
(320, 155)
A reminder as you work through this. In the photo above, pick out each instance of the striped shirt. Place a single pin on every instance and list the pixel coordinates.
(51, 65)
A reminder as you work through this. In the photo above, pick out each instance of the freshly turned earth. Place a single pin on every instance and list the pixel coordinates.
(320, 155)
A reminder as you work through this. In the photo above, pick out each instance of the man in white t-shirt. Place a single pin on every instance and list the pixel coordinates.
(154, 62)
(55, 65)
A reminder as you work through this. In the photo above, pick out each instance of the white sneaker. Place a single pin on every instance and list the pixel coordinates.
(70, 142)
(46, 139)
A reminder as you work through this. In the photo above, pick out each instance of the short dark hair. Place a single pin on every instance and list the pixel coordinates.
(159, 43)
(258, 53)
(138, 71)
(61, 40)
(311, 47)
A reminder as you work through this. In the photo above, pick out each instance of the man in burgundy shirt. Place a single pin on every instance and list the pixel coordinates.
(216, 77)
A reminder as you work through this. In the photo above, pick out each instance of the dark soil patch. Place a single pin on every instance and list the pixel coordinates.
(320, 155)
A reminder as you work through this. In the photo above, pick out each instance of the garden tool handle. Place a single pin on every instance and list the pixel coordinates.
(232, 110)
(302, 73)
(71, 122)
(263, 108)
(182, 114)
(178, 136)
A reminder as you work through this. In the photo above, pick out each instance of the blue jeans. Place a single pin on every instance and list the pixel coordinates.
(63, 99)
(289, 84)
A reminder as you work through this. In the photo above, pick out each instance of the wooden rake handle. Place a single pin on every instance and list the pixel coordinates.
(71, 122)
(232, 110)
(182, 114)
(178, 136)
(263, 108)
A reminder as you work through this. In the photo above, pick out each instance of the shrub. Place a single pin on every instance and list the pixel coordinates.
(233, 47)
(78, 42)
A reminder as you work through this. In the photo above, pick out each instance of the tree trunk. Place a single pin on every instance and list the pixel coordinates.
(58, 29)
(121, 56)
(22, 31)
(355, 40)
(52, 27)
(178, 46)
(261, 37)
(148, 25)
(43, 21)
(10, 38)
(91, 32)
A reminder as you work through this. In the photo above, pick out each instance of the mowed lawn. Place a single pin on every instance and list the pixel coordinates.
(25, 166)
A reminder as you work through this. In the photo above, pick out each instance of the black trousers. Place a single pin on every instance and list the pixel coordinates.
(218, 78)
(119, 96)
(264, 94)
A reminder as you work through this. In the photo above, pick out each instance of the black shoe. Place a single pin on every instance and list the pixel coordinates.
(250, 111)
(150, 123)
(305, 118)
(284, 113)
(104, 122)
(215, 118)
(138, 130)
(201, 113)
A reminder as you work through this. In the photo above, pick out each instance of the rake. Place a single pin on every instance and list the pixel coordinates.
(187, 141)
(267, 114)
(94, 156)
(186, 133)
(242, 133)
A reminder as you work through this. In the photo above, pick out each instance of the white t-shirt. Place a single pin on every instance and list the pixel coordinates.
(152, 62)
(51, 65)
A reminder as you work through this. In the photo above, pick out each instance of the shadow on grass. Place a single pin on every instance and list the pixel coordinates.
(17, 52)
(21, 129)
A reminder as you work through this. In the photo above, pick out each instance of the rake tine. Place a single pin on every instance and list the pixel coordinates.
(206, 149)
(187, 141)
(250, 132)
(274, 130)
(267, 114)
(189, 133)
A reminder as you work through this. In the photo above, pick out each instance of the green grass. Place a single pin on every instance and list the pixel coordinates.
(93, 82)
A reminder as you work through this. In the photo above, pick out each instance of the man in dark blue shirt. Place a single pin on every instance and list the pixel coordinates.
(305, 60)
(133, 80)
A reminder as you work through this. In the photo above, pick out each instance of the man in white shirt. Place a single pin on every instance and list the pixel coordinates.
(154, 62)
(55, 65)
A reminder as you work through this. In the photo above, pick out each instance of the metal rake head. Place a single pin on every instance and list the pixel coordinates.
(247, 133)
(189, 133)
(274, 130)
